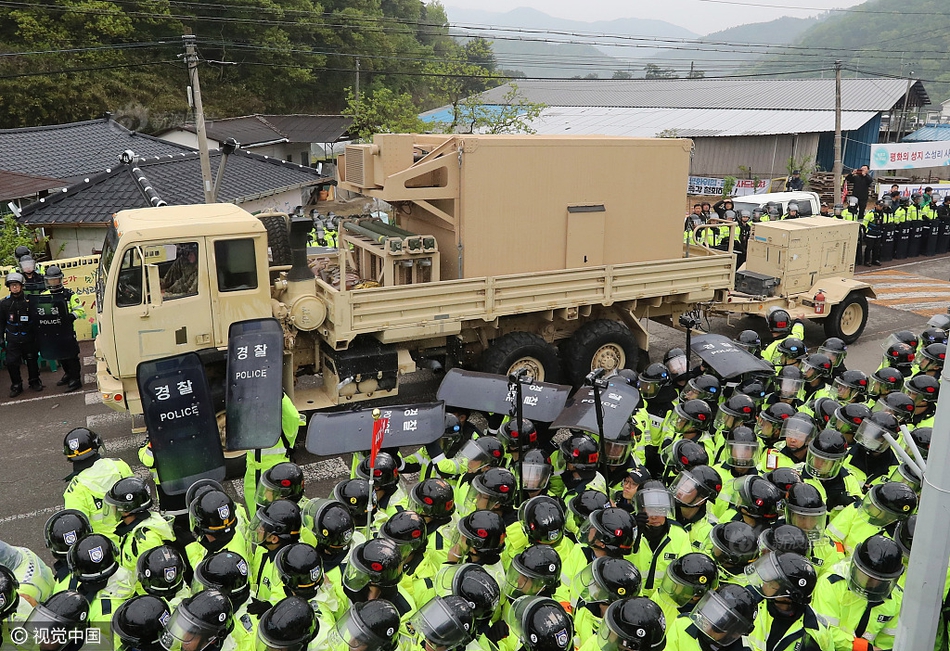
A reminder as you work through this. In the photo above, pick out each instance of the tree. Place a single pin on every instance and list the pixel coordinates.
(694, 72)
(382, 111)
(513, 115)
(622, 74)
(654, 71)
(12, 235)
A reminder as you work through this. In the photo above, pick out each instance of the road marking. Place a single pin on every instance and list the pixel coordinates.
(98, 420)
(908, 292)
(46, 397)
(33, 514)
(93, 398)
(89, 361)
(89, 378)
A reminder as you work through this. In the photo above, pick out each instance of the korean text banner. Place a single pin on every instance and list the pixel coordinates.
(909, 155)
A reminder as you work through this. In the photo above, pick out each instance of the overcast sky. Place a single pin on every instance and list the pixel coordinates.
(698, 16)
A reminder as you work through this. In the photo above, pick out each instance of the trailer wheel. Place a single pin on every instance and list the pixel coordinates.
(848, 318)
(521, 350)
(602, 344)
(278, 239)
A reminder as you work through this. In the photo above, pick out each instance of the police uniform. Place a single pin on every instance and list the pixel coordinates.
(72, 368)
(260, 460)
(808, 632)
(87, 488)
(147, 531)
(850, 616)
(19, 332)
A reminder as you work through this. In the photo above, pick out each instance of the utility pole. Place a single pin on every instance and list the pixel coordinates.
(356, 91)
(191, 58)
(927, 570)
(838, 164)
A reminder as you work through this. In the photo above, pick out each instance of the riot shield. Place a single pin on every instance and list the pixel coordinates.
(179, 415)
(54, 326)
(541, 401)
(352, 431)
(619, 400)
(254, 391)
(728, 360)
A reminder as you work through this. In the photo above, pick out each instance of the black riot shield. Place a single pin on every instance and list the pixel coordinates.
(179, 415)
(352, 431)
(254, 390)
(541, 401)
(54, 326)
(726, 359)
(619, 399)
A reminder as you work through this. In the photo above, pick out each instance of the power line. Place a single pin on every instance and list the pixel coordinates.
(800, 8)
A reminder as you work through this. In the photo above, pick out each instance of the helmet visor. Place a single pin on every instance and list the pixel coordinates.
(519, 583)
(870, 435)
(617, 452)
(440, 626)
(351, 633)
(904, 475)
(720, 623)
(836, 356)
(844, 392)
(676, 365)
(877, 513)
(823, 465)
(797, 432)
(477, 500)
(725, 421)
(742, 454)
(649, 388)
(868, 584)
(765, 577)
(655, 502)
(689, 491)
(591, 591)
(810, 520)
(789, 387)
(267, 492)
(535, 476)
(613, 640)
(680, 423)
(766, 429)
(472, 458)
(186, 633)
(28, 266)
(56, 627)
(683, 592)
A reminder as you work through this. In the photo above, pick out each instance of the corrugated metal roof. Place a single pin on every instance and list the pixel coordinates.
(931, 133)
(14, 185)
(774, 94)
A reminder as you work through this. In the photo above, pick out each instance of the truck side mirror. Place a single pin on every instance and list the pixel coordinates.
(154, 285)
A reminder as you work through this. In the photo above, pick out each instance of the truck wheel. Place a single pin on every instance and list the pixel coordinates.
(278, 239)
(517, 350)
(602, 344)
(848, 318)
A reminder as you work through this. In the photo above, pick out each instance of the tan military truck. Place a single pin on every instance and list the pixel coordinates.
(505, 252)
(805, 266)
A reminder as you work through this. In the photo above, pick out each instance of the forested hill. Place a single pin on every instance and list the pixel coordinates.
(72, 60)
(890, 37)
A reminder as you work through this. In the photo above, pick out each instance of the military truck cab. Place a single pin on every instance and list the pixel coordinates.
(172, 280)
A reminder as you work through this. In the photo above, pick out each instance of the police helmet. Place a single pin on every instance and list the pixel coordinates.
(534, 570)
(226, 572)
(852, 385)
(704, 387)
(536, 469)
(609, 579)
(64, 611)
(737, 409)
(300, 569)
(331, 523)
(635, 623)
(367, 625)
(21, 251)
(933, 336)
(826, 453)
(900, 356)
(805, 508)
(758, 497)
(199, 621)
(524, 440)
(690, 576)
(742, 447)
(289, 625)
(847, 418)
(611, 527)
(433, 498)
(817, 365)
(581, 451)
(9, 597)
(139, 622)
(352, 494)
(779, 321)
(655, 377)
(445, 623)
(81, 443)
(749, 340)
(733, 543)
(585, 503)
(161, 571)
(825, 409)
(212, 513)
(789, 574)
(54, 278)
(494, 488)
(792, 348)
(932, 357)
(889, 502)
(941, 321)
(725, 614)
(784, 538)
(129, 495)
(541, 624)
(27, 264)
(783, 478)
(788, 382)
(92, 559)
(834, 349)
(904, 534)
(200, 487)
(885, 380)
(280, 518)
(14, 277)
(923, 388)
(385, 470)
(897, 404)
(408, 530)
(542, 519)
(480, 453)
(63, 529)
(922, 437)
(691, 416)
(675, 361)
(483, 532)
(471, 582)
(684, 454)
(696, 486)
(374, 562)
(875, 567)
(283, 481)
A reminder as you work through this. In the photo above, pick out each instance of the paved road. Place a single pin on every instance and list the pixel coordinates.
(33, 426)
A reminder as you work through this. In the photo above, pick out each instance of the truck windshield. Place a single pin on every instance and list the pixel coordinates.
(105, 261)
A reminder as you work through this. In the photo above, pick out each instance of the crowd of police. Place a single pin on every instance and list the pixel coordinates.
(765, 513)
(19, 324)
(894, 228)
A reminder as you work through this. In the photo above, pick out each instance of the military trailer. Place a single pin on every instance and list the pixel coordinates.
(504, 253)
(805, 266)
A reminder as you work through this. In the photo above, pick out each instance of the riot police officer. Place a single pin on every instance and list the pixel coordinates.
(633, 623)
(139, 529)
(138, 623)
(540, 624)
(72, 368)
(91, 478)
(18, 334)
(289, 625)
(161, 573)
(202, 621)
(62, 530)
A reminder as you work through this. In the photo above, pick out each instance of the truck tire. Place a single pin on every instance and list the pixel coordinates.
(848, 318)
(602, 344)
(516, 350)
(278, 239)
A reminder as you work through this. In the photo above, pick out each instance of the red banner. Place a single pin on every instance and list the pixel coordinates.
(380, 425)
